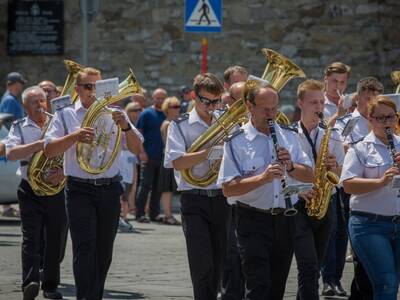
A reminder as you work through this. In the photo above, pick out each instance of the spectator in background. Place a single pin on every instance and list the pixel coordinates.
(149, 124)
(139, 98)
(234, 74)
(51, 92)
(10, 104)
(186, 98)
(166, 183)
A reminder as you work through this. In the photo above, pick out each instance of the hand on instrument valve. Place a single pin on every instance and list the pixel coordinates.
(85, 135)
(388, 175)
(308, 195)
(284, 157)
(273, 171)
(331, 163)
(120, 119)
(54, 176)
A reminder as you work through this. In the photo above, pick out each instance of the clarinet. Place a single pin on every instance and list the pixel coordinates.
(392, 148)
(290, 210)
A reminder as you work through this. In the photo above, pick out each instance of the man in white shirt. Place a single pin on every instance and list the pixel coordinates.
(251, 177)
(92, 200)
(43, 218)
(336, 77)
(312, 235)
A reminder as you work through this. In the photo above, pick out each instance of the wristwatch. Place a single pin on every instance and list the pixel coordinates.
(127, 128)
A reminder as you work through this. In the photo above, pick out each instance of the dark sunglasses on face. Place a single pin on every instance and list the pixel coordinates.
(87, 86)
(208, 102)
(135, 110)
(384, 119)
(174, 106)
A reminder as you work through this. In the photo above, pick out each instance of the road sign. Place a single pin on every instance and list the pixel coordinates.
(203, 15)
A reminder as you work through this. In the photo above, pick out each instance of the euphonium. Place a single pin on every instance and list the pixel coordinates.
(97, 157)
(324, 180)
(278, 72)
(40, 166)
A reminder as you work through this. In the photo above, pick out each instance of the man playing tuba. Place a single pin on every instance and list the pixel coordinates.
(92, 200)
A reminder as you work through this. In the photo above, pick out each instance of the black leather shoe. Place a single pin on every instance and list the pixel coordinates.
(31, 290)
(338, 289)
(327, 290)
(52, 294)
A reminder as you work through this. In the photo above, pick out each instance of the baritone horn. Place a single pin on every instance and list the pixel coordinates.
(278, 72)
(40, 166)
(98, 156)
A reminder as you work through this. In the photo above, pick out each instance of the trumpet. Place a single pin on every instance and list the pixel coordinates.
(290, 210)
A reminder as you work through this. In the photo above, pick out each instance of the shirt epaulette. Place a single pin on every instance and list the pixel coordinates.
(62, 107)
(182, 117)
(343, 118)
(356, 142)
(19, 121)
(288, 127)
(233, 135)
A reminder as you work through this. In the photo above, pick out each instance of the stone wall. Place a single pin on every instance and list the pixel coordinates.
(148, 36)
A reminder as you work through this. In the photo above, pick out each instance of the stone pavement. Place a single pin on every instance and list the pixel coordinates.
(149, 264)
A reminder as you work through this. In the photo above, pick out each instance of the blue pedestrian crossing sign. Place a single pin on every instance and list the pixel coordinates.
(203, 15)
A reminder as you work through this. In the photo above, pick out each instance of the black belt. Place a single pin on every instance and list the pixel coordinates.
(23, 163)
(271, 211)
(208, 193)
(375, 217)
(97, 181)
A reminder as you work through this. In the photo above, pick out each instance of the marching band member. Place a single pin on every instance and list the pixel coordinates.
(205, 213)
(336, 76)
(92, 201)
(234, 74)
(368, 170)
(251, 178)
(39, 214)
(312, 235)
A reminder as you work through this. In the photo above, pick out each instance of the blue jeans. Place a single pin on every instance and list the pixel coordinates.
(377, 245)
(333, 263)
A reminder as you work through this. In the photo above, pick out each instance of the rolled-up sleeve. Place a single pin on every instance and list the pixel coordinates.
(229, 166)
(13, 139)
(352, 167)
(175, 145)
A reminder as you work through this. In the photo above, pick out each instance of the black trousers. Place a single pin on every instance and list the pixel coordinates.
(205, 222)
(43, 218)
(148, 181)
(232, 285)
(311, 240)
(266, 250)
(93, 213)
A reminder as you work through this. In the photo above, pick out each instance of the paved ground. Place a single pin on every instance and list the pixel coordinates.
(149, 264)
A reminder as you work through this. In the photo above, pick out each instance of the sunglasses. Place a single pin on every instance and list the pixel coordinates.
(208, 102)
(135, 110)
(384, 119)
(174, 106)
(87, 86)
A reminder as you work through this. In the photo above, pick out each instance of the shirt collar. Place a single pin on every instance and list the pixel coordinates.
(371, 138)
(29, 122)
(195, 118)
(78, 106)
(252, 132)
(313, 131)
(329, 102)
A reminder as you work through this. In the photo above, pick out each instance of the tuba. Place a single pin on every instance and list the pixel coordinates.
(278, 72)
(97, 157)
(324, 180)
(40, 165)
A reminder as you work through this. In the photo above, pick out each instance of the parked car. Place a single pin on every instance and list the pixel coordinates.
(8, 179)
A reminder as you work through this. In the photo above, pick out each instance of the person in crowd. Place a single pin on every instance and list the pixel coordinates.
(51, 91)
(186, 98)
(234, 74)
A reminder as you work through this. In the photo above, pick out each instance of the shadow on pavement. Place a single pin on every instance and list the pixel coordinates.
(68, 290)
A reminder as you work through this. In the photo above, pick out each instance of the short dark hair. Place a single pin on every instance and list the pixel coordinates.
(233, 69)
(337, 67)
(209, 82)
(369, 84)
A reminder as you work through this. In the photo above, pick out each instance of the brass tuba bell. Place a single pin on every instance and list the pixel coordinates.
(97, 157)
(40, 165)
(278, 72)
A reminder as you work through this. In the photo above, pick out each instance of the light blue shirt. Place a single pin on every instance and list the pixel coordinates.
(360, 129)
(249, 154)
(10, 104)
(370, 158)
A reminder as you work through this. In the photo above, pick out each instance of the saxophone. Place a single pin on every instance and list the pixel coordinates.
(324, 180)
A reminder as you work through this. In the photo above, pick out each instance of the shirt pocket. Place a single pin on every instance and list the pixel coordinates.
(251, 166)
(373, 166)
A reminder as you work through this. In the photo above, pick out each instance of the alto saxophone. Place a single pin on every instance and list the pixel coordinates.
(324, 180)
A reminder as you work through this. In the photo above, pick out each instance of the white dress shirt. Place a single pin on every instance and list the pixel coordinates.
(330, 108)
(249, 153)
(370, 158)
(180, 137)
(360, 129)
(23, 131)
(73, 116)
